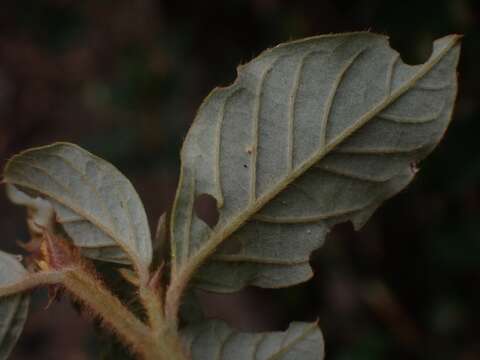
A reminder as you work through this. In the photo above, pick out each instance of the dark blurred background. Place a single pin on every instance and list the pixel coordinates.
(124, 78)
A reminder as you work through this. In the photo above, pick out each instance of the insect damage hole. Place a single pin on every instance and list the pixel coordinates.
(205, 207)
(410, 56)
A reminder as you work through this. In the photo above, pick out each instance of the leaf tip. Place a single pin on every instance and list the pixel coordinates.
(458, 37)
(448, 41)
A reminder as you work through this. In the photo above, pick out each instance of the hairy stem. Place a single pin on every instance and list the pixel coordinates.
(91, 292)
(172, 301)
(153, 304)
(33, 280)
(144, 341)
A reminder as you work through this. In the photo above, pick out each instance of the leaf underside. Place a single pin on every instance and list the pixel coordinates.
(215, 340)
(14, 308)
(94, 203)
(312, 133)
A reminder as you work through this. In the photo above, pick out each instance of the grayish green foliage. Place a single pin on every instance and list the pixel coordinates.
(96, 205)
(312, 133)
(215, 340)
(14, 308)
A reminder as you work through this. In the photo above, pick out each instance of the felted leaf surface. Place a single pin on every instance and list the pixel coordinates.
(96, 205)
(312, 133)
(13, 308)
(215, 340)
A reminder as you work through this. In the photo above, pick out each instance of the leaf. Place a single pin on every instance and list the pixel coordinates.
(96, 205)
(312, 133)
(13, 308)
(215, 340)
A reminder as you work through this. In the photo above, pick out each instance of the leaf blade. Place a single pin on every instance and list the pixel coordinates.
(315, 103)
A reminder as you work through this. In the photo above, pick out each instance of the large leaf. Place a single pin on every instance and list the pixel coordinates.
(312, 133)
(215, 340)
(96, 205)
(13, 308)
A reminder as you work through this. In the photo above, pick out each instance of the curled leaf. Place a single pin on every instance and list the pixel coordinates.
(95, 204)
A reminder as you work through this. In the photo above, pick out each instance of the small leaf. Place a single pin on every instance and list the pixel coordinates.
(215, 340)
(312, 133)
(96, 205)
(13, 308)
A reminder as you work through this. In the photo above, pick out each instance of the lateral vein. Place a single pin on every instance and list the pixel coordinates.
(331, 97)
(255, 125)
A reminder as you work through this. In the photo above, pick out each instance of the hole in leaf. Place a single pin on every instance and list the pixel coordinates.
(254, 309)
(206, 209)
(413, 55)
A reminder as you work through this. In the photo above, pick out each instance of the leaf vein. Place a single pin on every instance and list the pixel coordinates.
(191, 202)
(291, 107)
(403, 119)
(331, 97)
(351, 175)
(79, 211)
(94, 190)
(255, 127)
(223, 341)
(295, 341)
(313, 218)
(256, 345)
(391, 73)
(377, 151)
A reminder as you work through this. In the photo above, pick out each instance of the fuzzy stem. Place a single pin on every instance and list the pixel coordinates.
(33, 280)
(91, 292)
(141, 339)
(165, 336)
(152, 302)
(172, 301)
